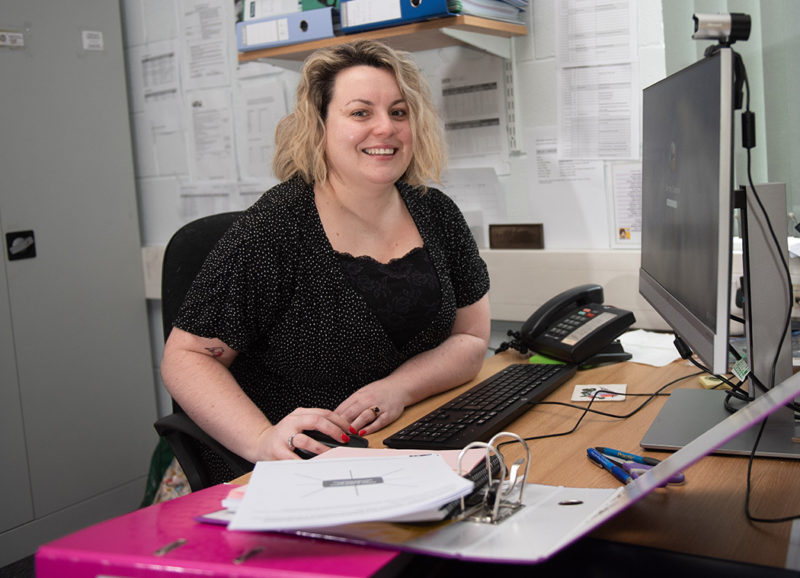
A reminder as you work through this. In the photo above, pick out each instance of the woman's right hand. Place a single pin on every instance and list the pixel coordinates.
(195, 371)
(278, 441)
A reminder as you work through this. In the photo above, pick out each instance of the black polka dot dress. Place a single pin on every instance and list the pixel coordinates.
(275, 291)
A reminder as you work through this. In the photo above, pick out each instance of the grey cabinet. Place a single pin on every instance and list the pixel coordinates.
(77, 394)
(14, 487)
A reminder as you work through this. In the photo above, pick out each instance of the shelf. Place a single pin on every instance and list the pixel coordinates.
(461, 30)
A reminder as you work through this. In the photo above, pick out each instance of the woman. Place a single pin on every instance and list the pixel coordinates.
(347, 292)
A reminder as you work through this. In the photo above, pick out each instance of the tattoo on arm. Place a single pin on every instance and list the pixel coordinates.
(215, 351)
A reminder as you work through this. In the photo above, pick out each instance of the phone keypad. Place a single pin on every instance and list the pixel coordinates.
(575, 326)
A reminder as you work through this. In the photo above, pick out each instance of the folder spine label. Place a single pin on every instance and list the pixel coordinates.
(283, 29)
(360, 12)
(268, 32)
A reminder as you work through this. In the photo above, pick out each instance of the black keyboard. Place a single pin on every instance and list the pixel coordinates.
(484, 409)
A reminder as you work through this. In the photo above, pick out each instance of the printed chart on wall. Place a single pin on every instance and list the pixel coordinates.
(469, 90)
(261, 104)
(597, 80)
(157, 106)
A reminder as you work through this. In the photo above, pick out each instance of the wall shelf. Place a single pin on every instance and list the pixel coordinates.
(463, 30)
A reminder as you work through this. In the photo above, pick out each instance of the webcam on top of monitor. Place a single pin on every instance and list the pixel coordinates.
(726, 28)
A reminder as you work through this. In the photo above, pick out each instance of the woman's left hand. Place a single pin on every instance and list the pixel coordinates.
(454, 361)
(372, 407)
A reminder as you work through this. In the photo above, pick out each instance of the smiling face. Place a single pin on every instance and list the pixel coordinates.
(368, 133)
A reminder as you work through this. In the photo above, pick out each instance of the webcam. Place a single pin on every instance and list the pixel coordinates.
(725, 28)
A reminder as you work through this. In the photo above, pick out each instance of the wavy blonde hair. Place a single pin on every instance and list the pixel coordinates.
(300, 136)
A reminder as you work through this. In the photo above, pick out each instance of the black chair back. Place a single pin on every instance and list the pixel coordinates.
(184, 255)
(194, 449)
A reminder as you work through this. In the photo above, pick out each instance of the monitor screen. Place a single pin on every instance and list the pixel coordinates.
(687, 204)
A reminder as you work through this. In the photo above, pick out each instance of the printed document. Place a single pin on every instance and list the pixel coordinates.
(294, 494)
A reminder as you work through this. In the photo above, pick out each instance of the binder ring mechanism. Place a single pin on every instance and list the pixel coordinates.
(494, 498)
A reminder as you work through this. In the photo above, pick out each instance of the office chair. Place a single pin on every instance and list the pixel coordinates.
(183, 257)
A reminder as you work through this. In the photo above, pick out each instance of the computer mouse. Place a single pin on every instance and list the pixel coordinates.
(355, 442)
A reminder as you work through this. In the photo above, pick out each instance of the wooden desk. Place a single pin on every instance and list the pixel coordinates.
(703, 517)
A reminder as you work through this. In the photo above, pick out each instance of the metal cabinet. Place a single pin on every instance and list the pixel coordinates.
(77, 392)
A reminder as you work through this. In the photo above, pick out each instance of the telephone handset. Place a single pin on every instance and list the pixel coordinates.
(575, 326)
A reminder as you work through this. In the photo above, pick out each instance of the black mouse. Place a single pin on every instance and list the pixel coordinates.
(355, 442)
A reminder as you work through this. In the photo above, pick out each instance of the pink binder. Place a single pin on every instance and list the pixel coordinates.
(165, 540)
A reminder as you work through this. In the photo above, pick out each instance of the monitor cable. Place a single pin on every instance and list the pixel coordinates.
(749, 142)
(735, 389)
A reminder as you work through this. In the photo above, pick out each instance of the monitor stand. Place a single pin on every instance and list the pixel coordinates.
(690, 412)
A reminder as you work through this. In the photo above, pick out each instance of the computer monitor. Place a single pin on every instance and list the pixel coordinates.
(688, 202)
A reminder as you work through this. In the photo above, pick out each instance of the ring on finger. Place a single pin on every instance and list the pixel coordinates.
(376, 410)
(291, 441)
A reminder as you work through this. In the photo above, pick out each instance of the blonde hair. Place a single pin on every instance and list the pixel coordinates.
(300, 136)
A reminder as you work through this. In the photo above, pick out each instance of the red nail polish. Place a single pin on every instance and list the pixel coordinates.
(353, 430)
(345, 438)
(362, 432)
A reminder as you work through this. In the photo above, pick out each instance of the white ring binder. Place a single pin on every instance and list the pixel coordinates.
(494, 507)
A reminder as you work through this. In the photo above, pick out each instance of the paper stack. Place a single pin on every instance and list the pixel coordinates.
(285, 495)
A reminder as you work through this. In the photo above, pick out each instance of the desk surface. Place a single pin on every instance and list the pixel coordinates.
(703, 517)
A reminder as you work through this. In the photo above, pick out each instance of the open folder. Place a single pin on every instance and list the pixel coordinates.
(546, 519)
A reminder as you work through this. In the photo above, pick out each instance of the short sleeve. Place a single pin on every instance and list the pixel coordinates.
(239, 290)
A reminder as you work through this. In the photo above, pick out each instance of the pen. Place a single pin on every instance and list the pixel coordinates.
(636, 469)
(601, 461)
(627, 456)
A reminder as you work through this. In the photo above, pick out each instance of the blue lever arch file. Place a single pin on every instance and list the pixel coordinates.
(284, 29)
(358, 15)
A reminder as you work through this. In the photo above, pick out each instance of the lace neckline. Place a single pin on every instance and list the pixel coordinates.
(369, 259)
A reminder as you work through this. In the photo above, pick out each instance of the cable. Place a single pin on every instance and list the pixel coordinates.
(735, 388)
(586, 410)
(516, 343)
(737, 319)
(748, 490)
(748, 141)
